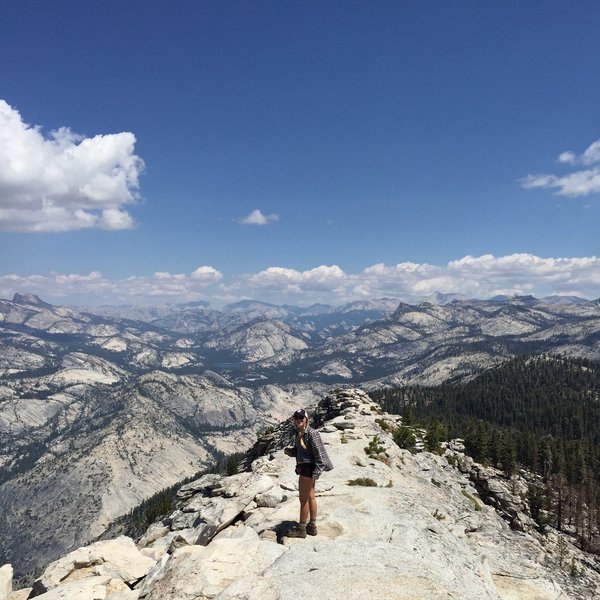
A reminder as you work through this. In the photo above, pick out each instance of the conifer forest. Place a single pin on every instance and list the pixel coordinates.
(534, 413)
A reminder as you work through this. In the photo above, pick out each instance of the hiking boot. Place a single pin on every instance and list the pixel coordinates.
(297, 532)
(311, 529)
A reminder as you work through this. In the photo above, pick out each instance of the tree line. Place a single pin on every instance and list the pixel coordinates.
(540, 413)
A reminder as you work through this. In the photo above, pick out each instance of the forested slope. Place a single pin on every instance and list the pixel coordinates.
(541, 413)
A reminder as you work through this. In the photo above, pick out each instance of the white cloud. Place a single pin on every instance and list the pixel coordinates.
(256, 217)
(323, 278)
(64, 181)
(577, 183)
(206, 274)
(589, 157)
(473, 276)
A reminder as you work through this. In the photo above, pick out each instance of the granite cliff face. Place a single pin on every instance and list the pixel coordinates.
(419, 530)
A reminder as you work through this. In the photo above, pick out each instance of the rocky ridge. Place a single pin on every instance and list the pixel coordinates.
(418, 530)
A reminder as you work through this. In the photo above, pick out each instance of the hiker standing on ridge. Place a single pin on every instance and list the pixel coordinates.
(311, 461)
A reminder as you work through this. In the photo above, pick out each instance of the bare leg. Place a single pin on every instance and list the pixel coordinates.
(308, 500)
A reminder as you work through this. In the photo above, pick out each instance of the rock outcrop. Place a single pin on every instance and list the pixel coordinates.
(391, 525)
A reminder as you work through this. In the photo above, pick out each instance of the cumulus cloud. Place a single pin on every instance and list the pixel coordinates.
(64, 181)
(206, 274)
(577, 183)
(256, 217)
(323, 278)
(589, 157)
(472, 276)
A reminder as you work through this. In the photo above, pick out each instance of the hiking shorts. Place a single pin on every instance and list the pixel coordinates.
(305, 469)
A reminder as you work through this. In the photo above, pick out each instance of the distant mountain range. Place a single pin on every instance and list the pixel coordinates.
(106, 406)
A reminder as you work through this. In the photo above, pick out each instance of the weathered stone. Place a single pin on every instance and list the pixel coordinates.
(271, 498)
(116, 586)
(464, 463)
(144, 586)
(118, 558)
(153, 533)
(153, 553)
(269, 535)
(345, 425)
(186, 520)
(177, 542)
(236, 493)
(329, 429)
(90, 588)
(124, 595)
(6, 575)
(197, 571)
(21, 594)
(201, 485)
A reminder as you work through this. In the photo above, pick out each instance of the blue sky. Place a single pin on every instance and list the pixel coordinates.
(383, 148)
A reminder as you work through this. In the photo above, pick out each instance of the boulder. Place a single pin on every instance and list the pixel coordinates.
(22, 594)
(118, 558)
(206, 571)
(227, 502)
(90, 588)
(271, 498)
(153, 533)
(6, 575)
(201, 485)
(124, 595)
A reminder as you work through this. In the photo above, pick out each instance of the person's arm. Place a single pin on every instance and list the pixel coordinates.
(320, 457)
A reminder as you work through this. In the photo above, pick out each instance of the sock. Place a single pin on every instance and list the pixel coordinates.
(313, 522)
(301, 525)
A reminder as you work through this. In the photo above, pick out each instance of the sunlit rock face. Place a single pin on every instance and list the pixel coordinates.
(391, 525)
(262, 338)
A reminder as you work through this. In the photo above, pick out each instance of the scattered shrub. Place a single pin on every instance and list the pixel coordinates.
(405, 438)
(384, 425)
(452, 459)
(436, 433)
(363, 481)
(374, 448)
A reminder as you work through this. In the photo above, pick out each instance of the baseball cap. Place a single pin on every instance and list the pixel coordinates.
(300, 414)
